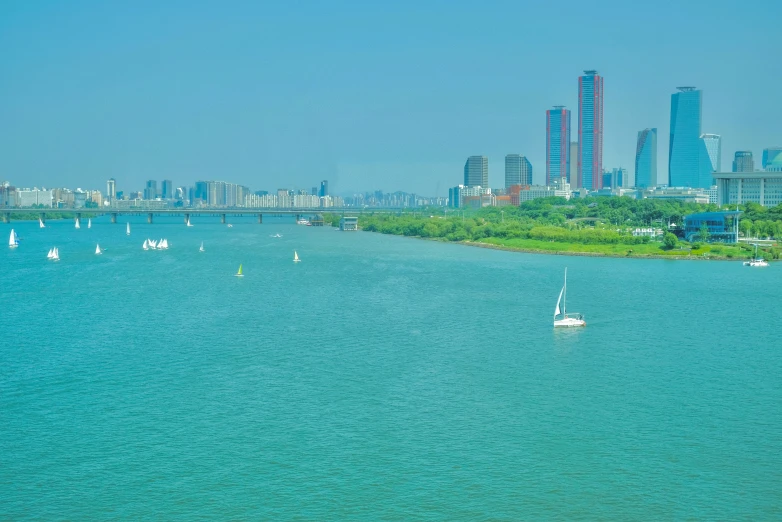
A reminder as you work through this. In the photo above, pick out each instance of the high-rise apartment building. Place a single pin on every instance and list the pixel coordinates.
(167, 189)
(572, 176)
(712, 144)
(684, 149)
(646, 159)
(743, 162)
(476, 171)
(518, 170)
(111, 189)
(557, 143)
(150, 189)
(772, 159)
(590, 130)
(324, 188)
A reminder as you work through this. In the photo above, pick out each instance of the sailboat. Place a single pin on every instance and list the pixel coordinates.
(239, 273)
(13, 241)
(188, 222)
(162, 244)
(145, 246)
(127, 229)
(566, 320)
(77, 223)
(40, 223)
(50, 254)
(201, 249)
(152, 244)
(296, 257)
(756, 261)
(55, 254)
(89, 222)
(98, 251)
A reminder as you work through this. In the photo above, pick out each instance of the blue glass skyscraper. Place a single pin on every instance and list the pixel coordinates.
(557, 143)
(590, 130)
(646, 159)
(685, 148)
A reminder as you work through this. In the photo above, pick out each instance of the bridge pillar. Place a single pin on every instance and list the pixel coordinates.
(114, 218)
(6, 217)
(222, 218)
(78, 216)
(187, 217)
(260, 219)
(149, 218)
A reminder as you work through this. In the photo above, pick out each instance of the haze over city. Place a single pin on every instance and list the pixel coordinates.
(365, 96)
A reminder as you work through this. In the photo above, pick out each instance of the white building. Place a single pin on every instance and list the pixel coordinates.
(34, 197)
(763, 188)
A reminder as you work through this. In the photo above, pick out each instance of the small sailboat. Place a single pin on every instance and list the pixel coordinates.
(230, 225)
(239, 273)
(55, 254)
(566, 320)
(50, 254)
(188, 222)
(40, 223)
(13, 241)
(127, 229)
(152, 245)
(296, 257)
(98, 251)
(145, 246)
(77, 223)
(201, 249)
(89, 222)
(756, 261)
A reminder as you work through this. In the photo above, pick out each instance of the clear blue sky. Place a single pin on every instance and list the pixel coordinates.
(368, 95)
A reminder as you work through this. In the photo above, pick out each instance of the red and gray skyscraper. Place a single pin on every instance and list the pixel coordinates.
(557, 143)
(590, 130)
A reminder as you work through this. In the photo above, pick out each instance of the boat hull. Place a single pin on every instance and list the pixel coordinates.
(569, 322)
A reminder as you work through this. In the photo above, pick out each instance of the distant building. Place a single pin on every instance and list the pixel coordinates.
(590, 130)
(324, 188)
(743, 162)
(772, 159)
(34, 198)
(646, 159)
(615, 178)
(572, 176)
(150, 190)
(348, 223)
(458, 194)
(557, 143)
(712, 144)
(684, 150)
(518, 170)
(476, 171)
(721, 226)
(111, 189)
(559, 188)
(685, 194)
(763, 188)
(167, 189)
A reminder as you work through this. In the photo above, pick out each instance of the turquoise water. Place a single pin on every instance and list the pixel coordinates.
(380, 378)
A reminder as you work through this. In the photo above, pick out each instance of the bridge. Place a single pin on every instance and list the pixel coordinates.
(299, 213)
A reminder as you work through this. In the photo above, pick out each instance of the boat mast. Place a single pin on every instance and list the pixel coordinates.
(564, 297)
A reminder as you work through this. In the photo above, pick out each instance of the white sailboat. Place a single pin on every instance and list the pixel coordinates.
(152, 245)
(77, 223)
(98, 251)
(40, 223)
(127, 229)
(162, 244)
(201, 249)
(566, 320)
(89, 222)
(145, 246)
(56, 254)
(13, 241)
(188, 222)
(756, 261)
(50, 254)
(296, 257)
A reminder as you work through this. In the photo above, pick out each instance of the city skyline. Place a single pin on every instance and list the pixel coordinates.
(160, 101)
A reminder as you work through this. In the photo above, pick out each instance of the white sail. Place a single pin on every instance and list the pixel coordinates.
(97, 250)
(89, 222)
(557, 311)
(188, 222)
(146, 244)
(40, 223)
(56, 254)
(13, 241)
(201, 249)
(50, 254)
(127, 229)
(77, 223)
(296, 257)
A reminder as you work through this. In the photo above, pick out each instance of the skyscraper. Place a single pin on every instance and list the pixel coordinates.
(324, 188)
(167, 187)
(518, 170)
(743, 162)
(572, 176)
(684, 148)
(713, 146)
(150, 190)
(646, 159)
(476, 171)
(111, 189)
(772, 158)
(590, 130)
(557, 143)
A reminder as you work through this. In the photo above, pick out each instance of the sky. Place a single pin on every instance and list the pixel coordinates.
(368, 95)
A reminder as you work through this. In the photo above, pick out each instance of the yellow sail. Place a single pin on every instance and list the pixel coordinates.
(240, 270)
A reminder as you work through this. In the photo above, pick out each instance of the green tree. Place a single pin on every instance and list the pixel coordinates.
(669, 240)
(704, 233)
